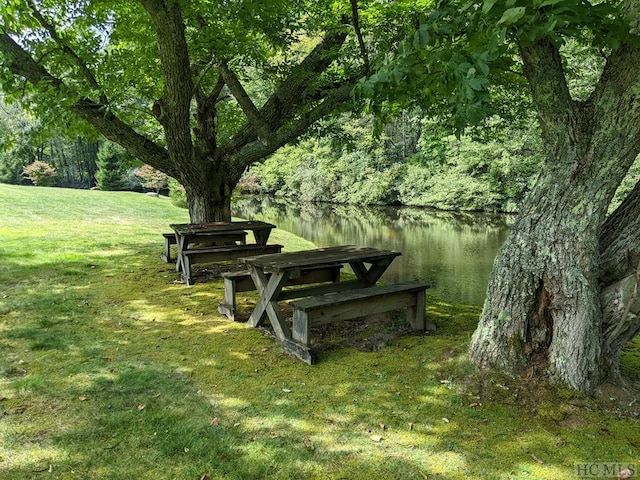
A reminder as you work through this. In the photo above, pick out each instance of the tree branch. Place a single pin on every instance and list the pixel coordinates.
(293, 94)
(216, 91)
(356, 27)
(543, 68)
(176, 72)
(620, 240)
(245, 102)
(21, 63)
(69, 52)
(109, 125)
(254, 151)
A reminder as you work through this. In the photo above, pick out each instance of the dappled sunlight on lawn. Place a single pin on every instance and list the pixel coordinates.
(112, 369)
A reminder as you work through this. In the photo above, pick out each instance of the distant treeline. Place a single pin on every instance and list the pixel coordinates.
(412, 162)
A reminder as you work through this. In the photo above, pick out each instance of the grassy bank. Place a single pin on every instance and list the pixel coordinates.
(112, 370)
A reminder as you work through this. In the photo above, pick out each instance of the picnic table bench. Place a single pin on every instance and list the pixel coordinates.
(221, 254)
(169, 239)
(334, 307)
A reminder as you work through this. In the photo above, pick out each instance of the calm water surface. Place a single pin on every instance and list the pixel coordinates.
(453, 252)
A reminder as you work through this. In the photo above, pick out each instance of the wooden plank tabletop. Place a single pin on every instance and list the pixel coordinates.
(278, 262)
(195, 228)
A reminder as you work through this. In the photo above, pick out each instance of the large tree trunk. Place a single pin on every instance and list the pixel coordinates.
(620, 279)
(209, 184)
(209, 171)
(544, 309)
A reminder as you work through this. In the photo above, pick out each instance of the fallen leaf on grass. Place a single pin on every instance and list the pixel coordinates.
(286, 390)
(215, 422)
(142, 406)
(83, 399)
(445, 420)
(533, 455)
(376, 438)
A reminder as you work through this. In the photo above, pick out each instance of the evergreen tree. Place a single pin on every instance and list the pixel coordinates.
(110, 169)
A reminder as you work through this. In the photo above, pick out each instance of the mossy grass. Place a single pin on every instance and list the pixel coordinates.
(111, 369)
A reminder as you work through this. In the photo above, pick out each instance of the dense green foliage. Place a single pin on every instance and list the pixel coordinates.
(413, 162)
(198, 90)
(110, 169)
(25, 139)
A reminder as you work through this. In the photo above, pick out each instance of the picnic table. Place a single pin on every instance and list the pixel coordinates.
(219, 241)
(340, 300)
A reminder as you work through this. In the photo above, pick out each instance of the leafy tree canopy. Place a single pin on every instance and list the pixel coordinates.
(199, 90)
(461, 61)
(107, 51)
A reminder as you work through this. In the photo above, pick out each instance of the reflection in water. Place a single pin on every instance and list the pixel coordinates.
(453, 252)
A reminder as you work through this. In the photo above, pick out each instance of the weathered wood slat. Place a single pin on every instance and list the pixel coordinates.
(220, 254)
(197, 228)
(312, 303)
(321, 289)
(358, 306)
(334, 307)
(329, 255)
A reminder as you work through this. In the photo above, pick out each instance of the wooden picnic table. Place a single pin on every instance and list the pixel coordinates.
(270, 273)
(228, 237)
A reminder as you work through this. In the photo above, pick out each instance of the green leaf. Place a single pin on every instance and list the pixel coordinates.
(547, 3)
(488, 4)
(476, 83)
(421, 37)
(512, 15)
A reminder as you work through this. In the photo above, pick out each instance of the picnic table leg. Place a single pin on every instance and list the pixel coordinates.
(182, 241)
(166, 254)
(373, 273)
(262, 236)
(269, 289)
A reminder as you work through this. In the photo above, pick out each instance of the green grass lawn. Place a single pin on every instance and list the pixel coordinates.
(110, 369)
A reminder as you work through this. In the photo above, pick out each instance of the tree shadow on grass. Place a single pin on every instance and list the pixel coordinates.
(148, 381)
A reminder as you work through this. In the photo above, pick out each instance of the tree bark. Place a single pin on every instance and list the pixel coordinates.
(547, 311)
(620, 279)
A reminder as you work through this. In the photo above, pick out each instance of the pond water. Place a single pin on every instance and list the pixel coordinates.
(453, 252)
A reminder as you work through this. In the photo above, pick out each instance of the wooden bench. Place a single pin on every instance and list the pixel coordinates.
(169, 239)
(241, 281)
(211, 239)
(221, 254)
(350, 304)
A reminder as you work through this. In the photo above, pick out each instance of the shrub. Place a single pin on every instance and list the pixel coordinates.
(152, 179)
(177, 194)
(40, 173)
